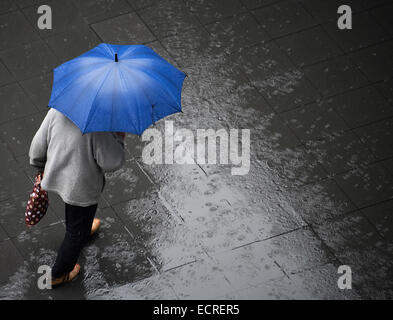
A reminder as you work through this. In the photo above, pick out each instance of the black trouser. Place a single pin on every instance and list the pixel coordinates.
(78, 226)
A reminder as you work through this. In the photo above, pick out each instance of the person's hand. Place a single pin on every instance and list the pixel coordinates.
(121, 134)
(39, 174)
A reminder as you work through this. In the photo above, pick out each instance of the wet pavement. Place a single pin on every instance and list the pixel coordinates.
(319, 194)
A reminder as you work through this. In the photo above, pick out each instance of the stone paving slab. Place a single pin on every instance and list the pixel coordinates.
(152, 288)
(186, 48)
(7, 5)
(13, 181)
(18, 102)
(376, 61)
(165, 236)
(294, 15)
(309, 46)
(298, 286)
(12, 216)
(3, 235)
(72, 43)
(98, 10)
(125, 29)
(115, 255)
(129, 179)
(237, 33)
(11, 259)
(199, 280)
(6, 76)
(26, 61)
(341, 152)
(340, 75)
(388, 164)
(158, 18)
(332, 202)
(362, 106)
(248, 265)
(16, 30)
(373, 271)
(366, 33)
(380, 216)
(38, 89)
(298, 250)
(318, 101)
(211, 11)
(314, 121)
(276, 77)
(305, 168)
(386, 89)
(18, 133)
(367, 186)
(65, 16)
(379, 138)
(382, 15)
(348, 233)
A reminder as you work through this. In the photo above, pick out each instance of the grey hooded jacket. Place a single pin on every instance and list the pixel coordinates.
(74, 164)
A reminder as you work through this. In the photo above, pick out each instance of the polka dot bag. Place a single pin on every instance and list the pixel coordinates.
(37, 205)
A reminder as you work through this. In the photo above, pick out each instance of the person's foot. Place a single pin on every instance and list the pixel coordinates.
(68, 277)
(95, 226)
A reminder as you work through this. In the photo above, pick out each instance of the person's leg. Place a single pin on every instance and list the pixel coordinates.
(78, 226)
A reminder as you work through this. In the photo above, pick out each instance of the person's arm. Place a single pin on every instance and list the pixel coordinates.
(108, 151)
(39, 145)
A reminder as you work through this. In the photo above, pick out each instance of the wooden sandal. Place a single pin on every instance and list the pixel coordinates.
(95, 226)
(68, 277)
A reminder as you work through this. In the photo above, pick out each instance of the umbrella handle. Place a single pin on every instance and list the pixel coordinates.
(116, 59)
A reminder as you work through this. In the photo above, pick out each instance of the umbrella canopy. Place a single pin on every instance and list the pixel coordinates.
(117, 88)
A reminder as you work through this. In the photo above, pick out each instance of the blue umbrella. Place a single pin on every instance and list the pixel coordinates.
(117, 88)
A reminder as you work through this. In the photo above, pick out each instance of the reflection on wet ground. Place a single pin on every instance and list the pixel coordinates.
(320, 187)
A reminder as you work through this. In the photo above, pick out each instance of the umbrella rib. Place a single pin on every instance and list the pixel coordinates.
(84, 66)
(95, 97)
(163, 61)
(148, 99)
(162, 89)
(75, 102)
(70, 69)
(123, 80)
(71, 82)
(78, 59)
(128, 51)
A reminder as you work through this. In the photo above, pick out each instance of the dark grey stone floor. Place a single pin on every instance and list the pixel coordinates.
(319, 194)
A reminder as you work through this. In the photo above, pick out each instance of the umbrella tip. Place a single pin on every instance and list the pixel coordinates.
(116, 59)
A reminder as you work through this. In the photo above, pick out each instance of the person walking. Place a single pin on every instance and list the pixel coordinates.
(96, 98)
(73, 166)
